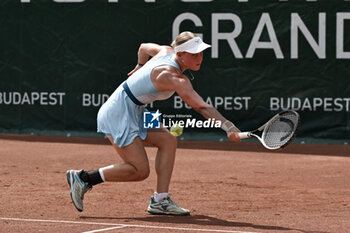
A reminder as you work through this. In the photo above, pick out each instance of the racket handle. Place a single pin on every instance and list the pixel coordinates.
(244, 135)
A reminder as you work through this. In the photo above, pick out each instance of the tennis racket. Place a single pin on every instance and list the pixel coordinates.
(278, 132)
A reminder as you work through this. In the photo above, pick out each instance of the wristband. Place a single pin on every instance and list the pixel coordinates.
(140, 64)
(227, 126)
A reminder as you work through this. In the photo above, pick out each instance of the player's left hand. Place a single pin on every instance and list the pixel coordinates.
(134, 70)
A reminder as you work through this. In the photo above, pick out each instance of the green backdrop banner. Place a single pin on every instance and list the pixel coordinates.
(61, 59)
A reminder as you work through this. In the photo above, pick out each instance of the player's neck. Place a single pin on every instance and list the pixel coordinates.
(181, 64)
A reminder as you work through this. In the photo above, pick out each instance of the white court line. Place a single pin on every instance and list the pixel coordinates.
(104, 229)
(122, 225)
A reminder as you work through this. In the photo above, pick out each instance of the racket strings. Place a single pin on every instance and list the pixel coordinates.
(280, 131)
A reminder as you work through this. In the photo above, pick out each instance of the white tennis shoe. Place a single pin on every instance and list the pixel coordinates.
(77, 188)
(166, 206)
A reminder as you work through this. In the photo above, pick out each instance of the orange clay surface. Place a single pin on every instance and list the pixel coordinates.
(229, 187)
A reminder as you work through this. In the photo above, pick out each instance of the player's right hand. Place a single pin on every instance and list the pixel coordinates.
(233, 136)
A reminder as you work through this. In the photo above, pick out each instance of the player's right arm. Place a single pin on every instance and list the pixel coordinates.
(193, 99)
(170, 80)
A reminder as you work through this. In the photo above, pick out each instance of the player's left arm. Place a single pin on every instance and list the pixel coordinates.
(147, 50)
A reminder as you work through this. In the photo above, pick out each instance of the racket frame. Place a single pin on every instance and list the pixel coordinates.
(262, 128)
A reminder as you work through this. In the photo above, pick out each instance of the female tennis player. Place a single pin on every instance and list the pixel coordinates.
(121, 119)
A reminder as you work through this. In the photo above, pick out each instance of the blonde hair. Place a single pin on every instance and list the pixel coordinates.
(182, 38)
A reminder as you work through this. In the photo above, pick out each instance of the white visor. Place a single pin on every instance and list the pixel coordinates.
(195, 45)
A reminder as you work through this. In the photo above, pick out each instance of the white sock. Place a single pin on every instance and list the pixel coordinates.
(101, 174)
(160, 196)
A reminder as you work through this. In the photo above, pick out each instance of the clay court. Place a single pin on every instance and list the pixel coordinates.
(229, 187)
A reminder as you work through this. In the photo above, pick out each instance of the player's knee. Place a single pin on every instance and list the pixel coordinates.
(142, 173)
(169, 142)
(173, 141)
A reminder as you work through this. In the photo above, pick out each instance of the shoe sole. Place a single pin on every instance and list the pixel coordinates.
(161, 212)
(69, 178)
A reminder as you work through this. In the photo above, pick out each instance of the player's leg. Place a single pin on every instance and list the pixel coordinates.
(134, 167)
(165, 159)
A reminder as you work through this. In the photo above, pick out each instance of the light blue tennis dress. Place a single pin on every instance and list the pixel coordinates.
(121, 116)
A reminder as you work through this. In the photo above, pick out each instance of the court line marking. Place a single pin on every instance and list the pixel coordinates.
(122, 225)
(104, 229)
